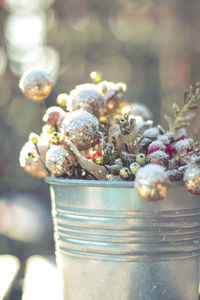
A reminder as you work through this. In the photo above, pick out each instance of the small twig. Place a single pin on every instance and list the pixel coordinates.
(115, 93)
(43, 106)
(42, 162)
(87, 172)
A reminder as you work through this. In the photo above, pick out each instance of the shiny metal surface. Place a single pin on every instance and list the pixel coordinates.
(112, 245)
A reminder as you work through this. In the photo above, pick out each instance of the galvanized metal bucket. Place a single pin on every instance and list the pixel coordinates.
(113, 245)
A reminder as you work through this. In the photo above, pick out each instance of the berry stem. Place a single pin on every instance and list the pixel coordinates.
(42, 162)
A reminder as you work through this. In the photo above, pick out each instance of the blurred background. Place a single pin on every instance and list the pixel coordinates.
(153, 46)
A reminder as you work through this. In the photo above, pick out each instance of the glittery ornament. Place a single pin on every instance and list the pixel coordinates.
(82, 128)
(60, 162)
(152, 182)
(112, 105)
(36, 85)
(192, 179)
(155, 146)
(86, 98)
(111, 96)
(29, 159)
(54, 115)
(151, 133)
(185, 144)
(176, 174)
(145, 144)
(158, 157)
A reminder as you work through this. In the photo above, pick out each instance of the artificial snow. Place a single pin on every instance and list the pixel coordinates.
(184, 144)
(150, 173)
(151, 132)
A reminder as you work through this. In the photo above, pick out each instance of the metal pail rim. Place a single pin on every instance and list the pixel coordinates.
(99, 183)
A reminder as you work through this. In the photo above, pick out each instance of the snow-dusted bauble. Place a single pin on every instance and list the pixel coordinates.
(36, 85)
(151, 133)
(31, 164)
(158, 157)
(176, 174)
(184, 144)
(155, 146)
(82, 128)
(112, 94)
(86, 97)
(152, 182)
(137, 109)
(192, 179)
(60, 162)
(54, 115)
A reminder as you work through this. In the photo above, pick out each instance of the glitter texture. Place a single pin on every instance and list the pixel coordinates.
(36, 85)
(81, 128)
(86, 97)
(59, 161)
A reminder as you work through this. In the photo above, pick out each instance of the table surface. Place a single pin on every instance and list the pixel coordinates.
(41, 279)
(9, 267)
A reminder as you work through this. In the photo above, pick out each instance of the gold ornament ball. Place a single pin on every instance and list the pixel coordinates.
(87, 98)
(53, 116)
(29, 161)
(192, 179)
(152, 192)
(60, 162)
(36, 85)
(152, 182)
(82, 128)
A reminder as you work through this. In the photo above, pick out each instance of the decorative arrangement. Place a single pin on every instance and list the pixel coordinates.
(92, 134)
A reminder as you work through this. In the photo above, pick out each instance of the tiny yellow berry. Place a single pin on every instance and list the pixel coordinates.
(99, 160)
(134, 167)
(108, 176)
(31, 155)
(104, 89)
(51, 130)
(34, 140)
(62, 99)
(55, 138)
(120, 87)
(83, 173)
(125, 173)
(103, 119)
(141, 158)
(95, 76)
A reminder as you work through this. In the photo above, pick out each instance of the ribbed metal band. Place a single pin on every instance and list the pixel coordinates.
(128, 236)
